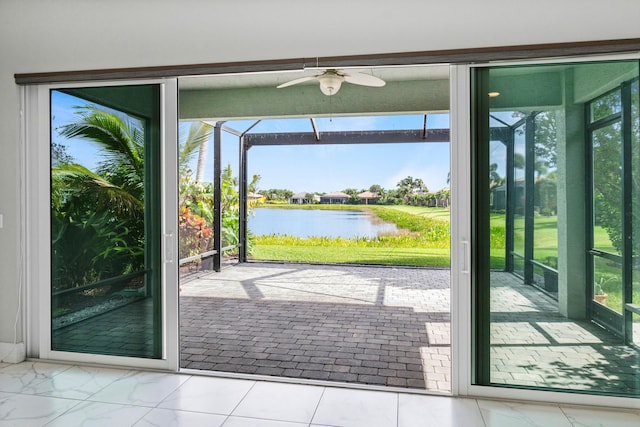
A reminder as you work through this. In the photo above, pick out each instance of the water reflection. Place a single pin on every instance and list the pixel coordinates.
(316, 223)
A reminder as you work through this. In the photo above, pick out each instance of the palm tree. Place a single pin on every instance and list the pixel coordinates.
(409, 186)
(197, 139)
(119, 178)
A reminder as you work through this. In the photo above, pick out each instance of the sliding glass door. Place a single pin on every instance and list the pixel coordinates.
(113, 219)
(556, 192)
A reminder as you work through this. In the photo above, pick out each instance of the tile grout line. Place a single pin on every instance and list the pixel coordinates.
(315, 411)
(240, 401)
(125, 373)
(565, 415)
(484, 422)
(142, 417)
(173, 391)
(63, 413)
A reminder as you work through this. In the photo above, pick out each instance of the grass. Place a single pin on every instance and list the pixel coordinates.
(420, 257)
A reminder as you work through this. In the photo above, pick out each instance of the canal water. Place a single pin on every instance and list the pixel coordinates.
(317, 223)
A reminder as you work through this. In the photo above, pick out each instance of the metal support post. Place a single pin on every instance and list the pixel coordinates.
(217, 196)
(510, 203)
(530, 188)
(242, 200)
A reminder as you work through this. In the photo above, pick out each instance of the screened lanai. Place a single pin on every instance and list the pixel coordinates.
(235, 246)
(308, 320)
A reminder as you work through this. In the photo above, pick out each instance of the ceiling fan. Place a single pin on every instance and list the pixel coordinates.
(331, 80)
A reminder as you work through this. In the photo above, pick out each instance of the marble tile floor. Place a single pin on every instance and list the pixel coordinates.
(47, 394)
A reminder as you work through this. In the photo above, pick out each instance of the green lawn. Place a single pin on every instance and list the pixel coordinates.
(421, 257)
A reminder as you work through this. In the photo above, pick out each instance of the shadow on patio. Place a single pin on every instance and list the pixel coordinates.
(533, 345)
(369, 325)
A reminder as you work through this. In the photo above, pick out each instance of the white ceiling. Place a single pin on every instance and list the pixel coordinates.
(273, 79)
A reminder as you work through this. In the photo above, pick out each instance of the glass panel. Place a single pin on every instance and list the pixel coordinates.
(605, 106)
(105, 253)
(518, 264)
(635, 208)
(534, 326)
(607, 188)
(519, 197)
(545, 231)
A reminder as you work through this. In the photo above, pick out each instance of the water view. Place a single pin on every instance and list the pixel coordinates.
(305, 223)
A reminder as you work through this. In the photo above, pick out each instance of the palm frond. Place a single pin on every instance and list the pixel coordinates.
(79, 182)
(118, 137)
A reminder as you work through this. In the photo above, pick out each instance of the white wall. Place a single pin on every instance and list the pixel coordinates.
(58, 35)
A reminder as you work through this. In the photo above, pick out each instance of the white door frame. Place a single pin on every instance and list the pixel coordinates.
(37, 228)
(460, 149)
(461, 238)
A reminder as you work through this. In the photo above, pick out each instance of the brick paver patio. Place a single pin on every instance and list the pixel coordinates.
(370, 325)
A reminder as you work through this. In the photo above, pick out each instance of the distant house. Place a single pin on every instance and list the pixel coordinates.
(303, 198)
(498, 198)
(335, 198)
(545, 200)
(368, 198)
(255, 198)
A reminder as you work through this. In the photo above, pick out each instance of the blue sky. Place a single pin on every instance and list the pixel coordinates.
(63, 112)
(320, 168)
(326, 168)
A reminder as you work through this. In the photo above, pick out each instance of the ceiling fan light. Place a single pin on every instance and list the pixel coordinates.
(330, 84)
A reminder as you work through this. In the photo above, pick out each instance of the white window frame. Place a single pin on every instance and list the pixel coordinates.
(37, 228)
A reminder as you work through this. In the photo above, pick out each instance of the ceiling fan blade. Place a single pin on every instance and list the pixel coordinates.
(363, 79)
(296, 81)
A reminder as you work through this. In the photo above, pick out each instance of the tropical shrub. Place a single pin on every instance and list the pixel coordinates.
(197, 213)
(195, 236)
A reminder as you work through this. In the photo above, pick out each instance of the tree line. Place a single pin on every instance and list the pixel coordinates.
(409, 191)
